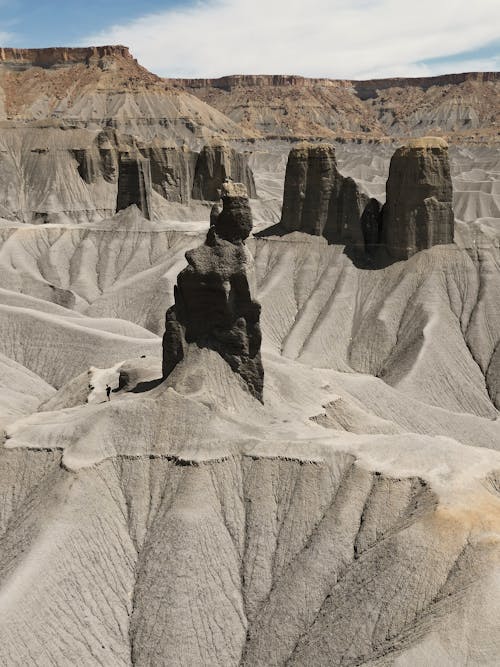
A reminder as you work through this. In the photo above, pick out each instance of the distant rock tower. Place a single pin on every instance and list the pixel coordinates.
(418, 212)
(214, 307)
(134, 182)
(216, 163)
(318, 200)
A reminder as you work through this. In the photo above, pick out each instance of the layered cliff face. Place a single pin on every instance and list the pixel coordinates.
(172, 169)
(418, 212)
(214, 306)
(51, 174)
(463, 107)
(134, 183)
(318, 200)
(103, 86)
(216, 163)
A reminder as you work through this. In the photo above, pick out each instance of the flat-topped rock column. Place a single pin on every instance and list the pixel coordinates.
(418, 212)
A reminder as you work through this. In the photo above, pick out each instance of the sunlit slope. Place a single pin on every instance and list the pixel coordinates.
(353, 518)
(225, 532)
(429, 327)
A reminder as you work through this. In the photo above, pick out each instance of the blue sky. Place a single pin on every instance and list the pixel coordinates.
(332, 38)
(60, 22)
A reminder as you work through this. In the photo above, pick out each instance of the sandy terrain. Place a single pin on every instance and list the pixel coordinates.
(351, 519)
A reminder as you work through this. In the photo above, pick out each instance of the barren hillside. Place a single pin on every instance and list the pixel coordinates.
(234, 432)
(461, 107)
(102, 86)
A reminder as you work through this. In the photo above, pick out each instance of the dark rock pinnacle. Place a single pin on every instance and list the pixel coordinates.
(214, 307)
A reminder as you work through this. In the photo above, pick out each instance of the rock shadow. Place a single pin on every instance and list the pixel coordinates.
(143, 387)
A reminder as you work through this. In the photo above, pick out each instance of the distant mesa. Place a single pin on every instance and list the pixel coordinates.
(418, 212)
(463, 107)
(56, 57)
(366, 89)
(108, 85)
(214, 307)
(103, 86)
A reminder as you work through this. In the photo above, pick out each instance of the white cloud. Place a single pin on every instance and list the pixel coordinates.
(334, 38)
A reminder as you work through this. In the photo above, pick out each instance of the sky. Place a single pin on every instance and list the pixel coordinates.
(352, 39)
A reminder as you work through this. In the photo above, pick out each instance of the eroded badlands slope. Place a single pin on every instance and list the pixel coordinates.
(352, 518)
(85, 87)
(254, 551)
(462, 107)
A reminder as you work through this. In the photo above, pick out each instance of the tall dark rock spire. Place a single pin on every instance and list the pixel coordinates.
(418, 212)
(214, 307)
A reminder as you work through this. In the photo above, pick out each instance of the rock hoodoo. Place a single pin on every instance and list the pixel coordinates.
(418, 212)
(216, 163)
(318, 200)
(172, 169)
(214, 307)
(134, 182)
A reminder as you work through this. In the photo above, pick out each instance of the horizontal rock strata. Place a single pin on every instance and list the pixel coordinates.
(215, 164)
(318, 200)
(418, 213)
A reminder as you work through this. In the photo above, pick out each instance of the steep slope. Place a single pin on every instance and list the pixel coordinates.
(391, 323)
(122, 269)
(102, 86)
(350, 518)
(293, 524)
(459, 106)
(21, 391)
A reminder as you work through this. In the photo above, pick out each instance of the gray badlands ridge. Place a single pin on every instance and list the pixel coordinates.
(342, 509)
